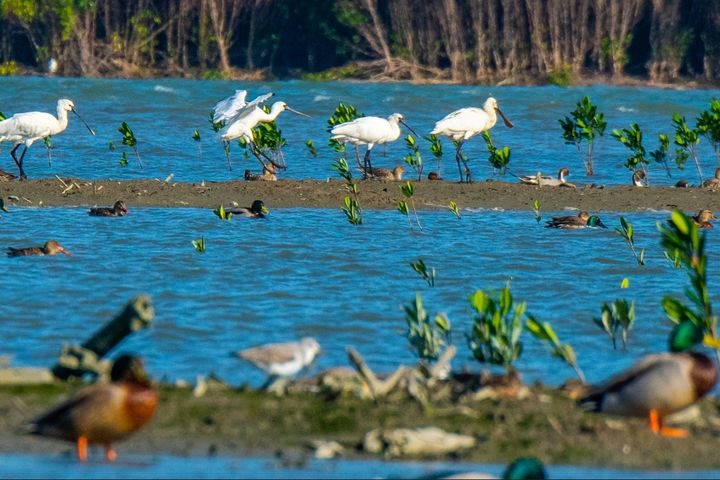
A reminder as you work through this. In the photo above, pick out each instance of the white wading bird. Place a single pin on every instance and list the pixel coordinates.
(465, 123)
(241, 117)
(26, 128)
(369, 131)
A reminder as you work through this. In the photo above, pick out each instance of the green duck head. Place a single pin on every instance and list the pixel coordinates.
(594, 221)
(258, 207)
(685, 336)
(525, 468)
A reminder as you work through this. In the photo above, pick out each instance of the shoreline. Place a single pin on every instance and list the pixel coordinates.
(374, 194)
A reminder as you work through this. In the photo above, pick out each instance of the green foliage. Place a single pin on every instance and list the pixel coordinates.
(2, 116)
(496, 327)
(682, 238)
(426, 337)
(199, 244)
(661, 154)
(435, 149)
(454, 209)
(212, 74)
(343, 113)
(619, 315)
(196, 135)
(584, 126)
(216, 127)
(49, 146)
(8, 68)
(632, 139)
(499, 158)
(536, 210)
(408, 191)
(351, 205)
(708, 125)
(221, 213)
(128, 138)
(311, 148)
(564, 351)
(422, 270)
(626, 231)
(414, 158)
(687, 140)
(562, 77)
(123, 160)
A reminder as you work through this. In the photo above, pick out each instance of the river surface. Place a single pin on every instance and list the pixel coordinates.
(164, 113)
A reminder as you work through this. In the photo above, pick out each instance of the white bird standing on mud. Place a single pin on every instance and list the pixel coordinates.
(465, 123)
(26, 128)
(241, 117)
(369, 131)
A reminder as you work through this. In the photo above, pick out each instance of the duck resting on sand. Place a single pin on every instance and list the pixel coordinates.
(51, 247)
(383, 173)
(661, 384)
(256, 210)
(546, 181)
(583, 220)
(119, 209)
(713, 183)
(639, 178)
(103, 413)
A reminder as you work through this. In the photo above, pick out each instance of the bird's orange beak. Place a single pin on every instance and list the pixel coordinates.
(508, 123)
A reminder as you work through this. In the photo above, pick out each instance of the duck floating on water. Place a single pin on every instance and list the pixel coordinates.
(661, 384)
(702, 219)
(583, 220)
(102, 414)
(546, 181)
(256, 210)
(119, 209)
(51, 247)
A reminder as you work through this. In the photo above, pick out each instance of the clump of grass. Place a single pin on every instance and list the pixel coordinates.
(585, 124)
(626, 231)
(564, 351)
(128, 138)
(221, 213)
(422, 270)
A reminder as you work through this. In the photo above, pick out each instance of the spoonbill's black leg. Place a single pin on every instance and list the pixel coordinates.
(458, 158)
(19, 162)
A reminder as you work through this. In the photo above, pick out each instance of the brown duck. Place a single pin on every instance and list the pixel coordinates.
(702, 219)
(119, 209)
(583, 220)
(395, 174)
(50, 247)
(103, 414)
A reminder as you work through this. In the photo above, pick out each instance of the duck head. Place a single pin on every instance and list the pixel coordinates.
(258, 207)
(129, 368)
(594, 221)
(52, 247)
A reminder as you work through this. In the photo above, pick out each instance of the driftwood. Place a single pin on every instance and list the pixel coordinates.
(419, 442)
(75, 361)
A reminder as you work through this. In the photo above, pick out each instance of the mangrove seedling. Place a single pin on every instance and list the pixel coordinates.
(311, 148)
(351, 207)
(499, 158)
(632, 139)
(402, 207)
(708, 125)
(614, 317)
(564, 351)
(454, 209)
(661, 154)
(422, 270)
(427, 338)
(408, 191)
(221, 213)
(199, 244)
(196, 137)
(343, 113)
(414, 158)
(687, 140)
(123, 160)
(536, 210)
(626, 231)
(130, 140)
(436, 150)
(495, 334)
(49, 146)
(216, 126)
(584, 126)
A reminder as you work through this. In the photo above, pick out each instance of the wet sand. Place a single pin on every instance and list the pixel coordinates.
(374, 194)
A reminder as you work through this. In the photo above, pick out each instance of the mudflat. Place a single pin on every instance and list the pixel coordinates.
(374, 194)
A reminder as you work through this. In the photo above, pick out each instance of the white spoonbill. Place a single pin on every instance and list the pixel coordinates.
(369, 131)
(465, 123)
(26, 128)
(240, 118)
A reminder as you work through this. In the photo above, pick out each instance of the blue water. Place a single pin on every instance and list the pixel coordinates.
(167, 466)
(164, 113)
(308, 272)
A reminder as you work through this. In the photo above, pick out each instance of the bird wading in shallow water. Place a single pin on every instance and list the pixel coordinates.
(256, 210)
(102, 414)
(51, 247)
(119, 209)
(582, 220)
(369, 131)
(26, 128)
(662, 384)
(465, 123)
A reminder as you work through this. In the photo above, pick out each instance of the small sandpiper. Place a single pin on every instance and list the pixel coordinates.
(281, 361)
